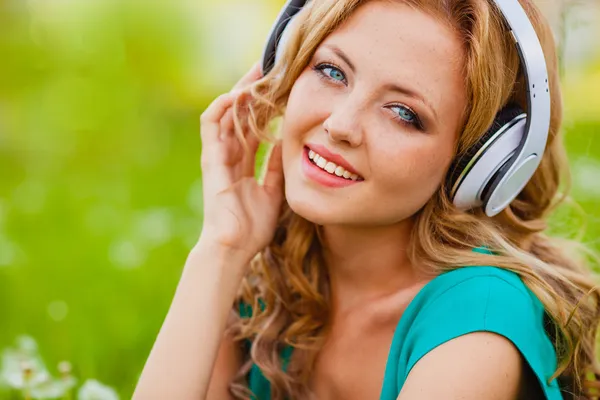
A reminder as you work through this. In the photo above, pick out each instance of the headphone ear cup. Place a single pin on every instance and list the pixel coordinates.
(466, 166)
(285, 37)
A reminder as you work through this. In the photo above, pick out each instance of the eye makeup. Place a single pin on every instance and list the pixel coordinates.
(331, 73)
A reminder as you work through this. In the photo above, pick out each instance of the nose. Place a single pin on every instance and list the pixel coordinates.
(343, 126)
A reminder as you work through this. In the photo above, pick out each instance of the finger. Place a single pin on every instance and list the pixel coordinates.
(214, 112)
(273, 181)
(211, 117)
(243, 154)
(250, 165)
(217, 175)
(254, 74)
(226, 124)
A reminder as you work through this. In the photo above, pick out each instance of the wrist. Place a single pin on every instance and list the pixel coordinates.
(233, 258)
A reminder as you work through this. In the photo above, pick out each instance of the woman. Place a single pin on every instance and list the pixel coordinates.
(350, 272)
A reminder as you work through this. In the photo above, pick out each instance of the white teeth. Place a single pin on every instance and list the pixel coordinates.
(330, 167)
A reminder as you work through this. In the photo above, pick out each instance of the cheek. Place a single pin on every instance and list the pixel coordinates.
(305, 113)
(307, 105)
(415, 171)
(298, 120)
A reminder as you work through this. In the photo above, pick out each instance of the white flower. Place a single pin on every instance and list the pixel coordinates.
(27, 344)
(23, 369)
(52, 389)
(94, 390)
(24, 357)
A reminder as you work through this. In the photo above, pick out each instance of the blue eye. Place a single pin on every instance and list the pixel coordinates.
(405, 113)
(333, 73)
(407, 116)
(330, 72)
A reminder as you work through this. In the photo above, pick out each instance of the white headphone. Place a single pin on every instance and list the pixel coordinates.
(495, 170)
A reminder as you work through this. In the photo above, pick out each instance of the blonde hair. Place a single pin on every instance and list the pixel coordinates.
(287, 284)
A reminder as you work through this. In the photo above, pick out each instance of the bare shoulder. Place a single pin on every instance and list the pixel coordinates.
(229, 361)
(478, 365)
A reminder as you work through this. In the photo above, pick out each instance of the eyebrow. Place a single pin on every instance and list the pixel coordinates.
(410, 93)
(388, 86)
(338, 52)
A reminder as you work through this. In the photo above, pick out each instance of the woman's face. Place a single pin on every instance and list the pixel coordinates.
(381, 103)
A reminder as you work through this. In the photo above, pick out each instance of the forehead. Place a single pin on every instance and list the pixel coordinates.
(395, 42)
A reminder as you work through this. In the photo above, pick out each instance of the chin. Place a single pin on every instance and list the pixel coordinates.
(315, 211)
(321, 212)
(319, 205)
(324, 212)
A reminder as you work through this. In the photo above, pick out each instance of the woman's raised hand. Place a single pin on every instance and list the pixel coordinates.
(240, 214)
(240, 217)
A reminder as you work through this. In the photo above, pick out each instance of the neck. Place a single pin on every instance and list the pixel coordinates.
(367, 263)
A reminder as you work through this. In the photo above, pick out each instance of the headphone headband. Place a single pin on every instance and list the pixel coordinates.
(274, 42)
(522, 160)
(515, 174)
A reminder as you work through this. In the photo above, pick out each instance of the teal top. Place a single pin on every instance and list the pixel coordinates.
(455, 303)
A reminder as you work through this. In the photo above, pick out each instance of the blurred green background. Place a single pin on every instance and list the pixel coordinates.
(100, 185)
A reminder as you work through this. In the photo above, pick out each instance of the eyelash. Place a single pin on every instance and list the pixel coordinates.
(416, 123)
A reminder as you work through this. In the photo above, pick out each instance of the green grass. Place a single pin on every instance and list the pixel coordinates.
(100, 193)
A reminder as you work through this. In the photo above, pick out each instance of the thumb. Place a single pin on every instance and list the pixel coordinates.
(273, 179)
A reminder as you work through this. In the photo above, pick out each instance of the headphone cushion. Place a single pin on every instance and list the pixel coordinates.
(280, 32)
(504, 116)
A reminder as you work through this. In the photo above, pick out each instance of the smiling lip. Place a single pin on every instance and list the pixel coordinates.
(334, 158)
(321, 176)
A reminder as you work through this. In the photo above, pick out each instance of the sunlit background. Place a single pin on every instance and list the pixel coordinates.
(100, 186)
